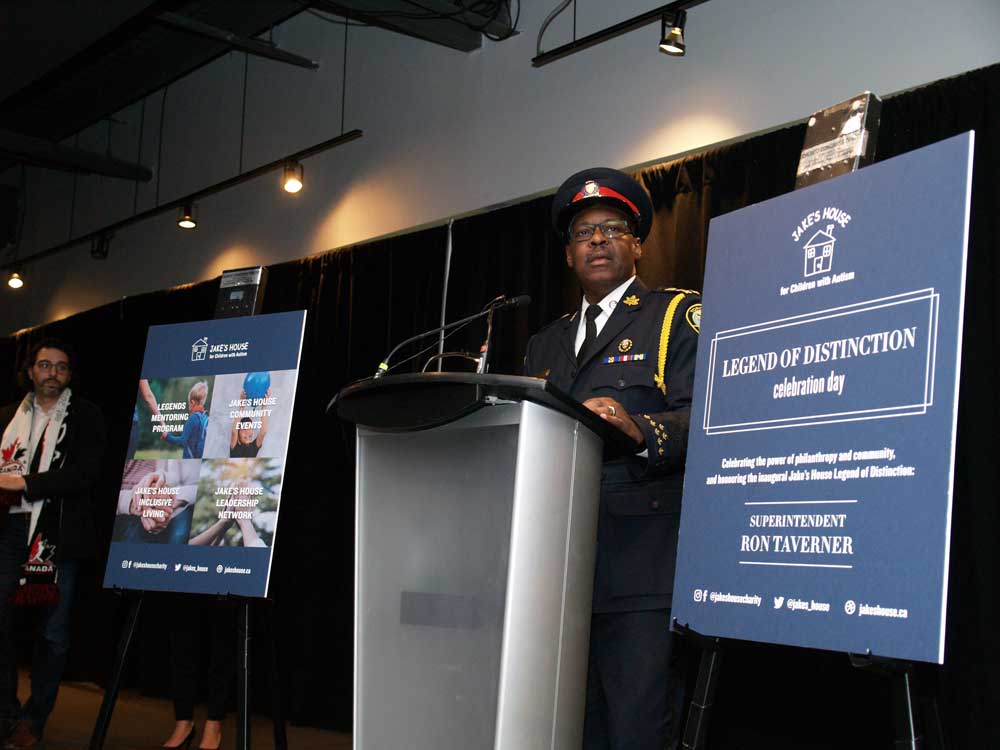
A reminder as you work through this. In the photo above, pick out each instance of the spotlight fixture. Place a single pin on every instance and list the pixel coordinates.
(672, 33)
(291, 177)
(15, 281)
(672, 17)
(187, 217)
(100, 246)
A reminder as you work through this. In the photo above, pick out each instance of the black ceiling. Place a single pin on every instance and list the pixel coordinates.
(70, 63)
(75, 65)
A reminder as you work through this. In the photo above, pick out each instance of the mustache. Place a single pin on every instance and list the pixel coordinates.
(598, 255)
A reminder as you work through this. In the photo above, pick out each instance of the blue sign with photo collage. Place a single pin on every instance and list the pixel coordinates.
(197, 511)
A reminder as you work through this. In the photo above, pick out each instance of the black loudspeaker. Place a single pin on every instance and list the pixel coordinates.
(10, 215)
(839, 139)
(241, 292)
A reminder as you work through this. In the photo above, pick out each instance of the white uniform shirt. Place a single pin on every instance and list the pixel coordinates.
(607, 305)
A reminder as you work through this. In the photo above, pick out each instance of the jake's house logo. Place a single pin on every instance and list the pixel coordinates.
(819, 252)
(815, 235)
(199, 349)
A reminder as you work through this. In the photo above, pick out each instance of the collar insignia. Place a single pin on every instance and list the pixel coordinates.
(631, 300)
(624, 345)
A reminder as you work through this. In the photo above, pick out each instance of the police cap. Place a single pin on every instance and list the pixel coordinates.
(602, 186)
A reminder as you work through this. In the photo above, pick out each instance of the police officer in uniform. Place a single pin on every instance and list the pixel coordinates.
(628, 353)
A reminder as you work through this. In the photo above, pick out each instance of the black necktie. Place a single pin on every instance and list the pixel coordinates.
(588, 340)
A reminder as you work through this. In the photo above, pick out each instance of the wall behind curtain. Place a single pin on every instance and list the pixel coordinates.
(363, 299)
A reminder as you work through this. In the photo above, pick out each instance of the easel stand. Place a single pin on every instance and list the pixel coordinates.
(114, 685)
(242, 677)
(915, 718)
(700, 706)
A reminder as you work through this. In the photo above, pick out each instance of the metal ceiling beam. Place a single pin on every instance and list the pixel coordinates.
(173, 205)
(451, 31)
(242, 43)
(24, 148)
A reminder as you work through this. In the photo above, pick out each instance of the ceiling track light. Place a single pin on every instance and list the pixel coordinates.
(188, 201)
(291, 176)
(15, 281)
(672, 33)
(674, 13)
(187, 216)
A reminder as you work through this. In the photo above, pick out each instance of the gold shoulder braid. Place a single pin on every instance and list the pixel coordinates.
(677, 289)
(661, 360)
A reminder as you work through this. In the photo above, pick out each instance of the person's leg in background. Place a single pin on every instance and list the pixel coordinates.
(221, 668)
(184, 667)
(51, 649)
(13, 553)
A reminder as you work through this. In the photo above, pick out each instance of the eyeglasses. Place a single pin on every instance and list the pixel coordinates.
(611, 229)
(44, 365)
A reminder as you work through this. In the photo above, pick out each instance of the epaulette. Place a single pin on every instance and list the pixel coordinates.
(677, 290)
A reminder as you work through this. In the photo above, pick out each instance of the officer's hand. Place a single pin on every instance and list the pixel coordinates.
(611, 411)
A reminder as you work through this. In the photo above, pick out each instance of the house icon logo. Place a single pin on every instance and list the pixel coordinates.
(819, 252)
(199, 349)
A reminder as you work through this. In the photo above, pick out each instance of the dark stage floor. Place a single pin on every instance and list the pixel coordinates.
(140, 723)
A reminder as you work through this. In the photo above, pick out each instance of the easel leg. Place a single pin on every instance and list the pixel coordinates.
(277, 706)
(114, 685)
(696, 728)
(243, 679)
(906, 717)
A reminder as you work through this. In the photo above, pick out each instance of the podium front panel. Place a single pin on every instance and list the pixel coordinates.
(474, 568)
(433, 542)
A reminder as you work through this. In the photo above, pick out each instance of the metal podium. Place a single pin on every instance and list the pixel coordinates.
(474, 561)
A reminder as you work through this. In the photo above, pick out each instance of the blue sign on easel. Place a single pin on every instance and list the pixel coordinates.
(197, 510)
(817, 496)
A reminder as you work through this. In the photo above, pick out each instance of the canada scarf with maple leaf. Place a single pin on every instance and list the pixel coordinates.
(39, 572)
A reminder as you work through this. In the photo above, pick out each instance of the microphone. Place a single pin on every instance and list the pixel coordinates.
(522, 300)
(500, 303)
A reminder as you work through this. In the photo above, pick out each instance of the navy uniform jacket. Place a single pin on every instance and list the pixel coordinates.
(644, 359)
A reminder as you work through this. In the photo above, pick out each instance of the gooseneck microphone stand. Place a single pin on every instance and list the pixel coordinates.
(500, 303)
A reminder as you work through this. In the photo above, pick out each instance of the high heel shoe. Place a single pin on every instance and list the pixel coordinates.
(185, 743)
(203, 746)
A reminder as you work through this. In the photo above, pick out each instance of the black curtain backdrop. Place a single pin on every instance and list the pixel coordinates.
(363, 299)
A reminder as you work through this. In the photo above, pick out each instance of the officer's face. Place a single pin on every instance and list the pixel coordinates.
(602, 264)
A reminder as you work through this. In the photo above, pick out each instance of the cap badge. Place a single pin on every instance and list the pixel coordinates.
(631, 300)
(591, 188)
(624, 345)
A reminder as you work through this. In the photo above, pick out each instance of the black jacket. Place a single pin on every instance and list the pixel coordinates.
(76, 465)
(644, 358)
